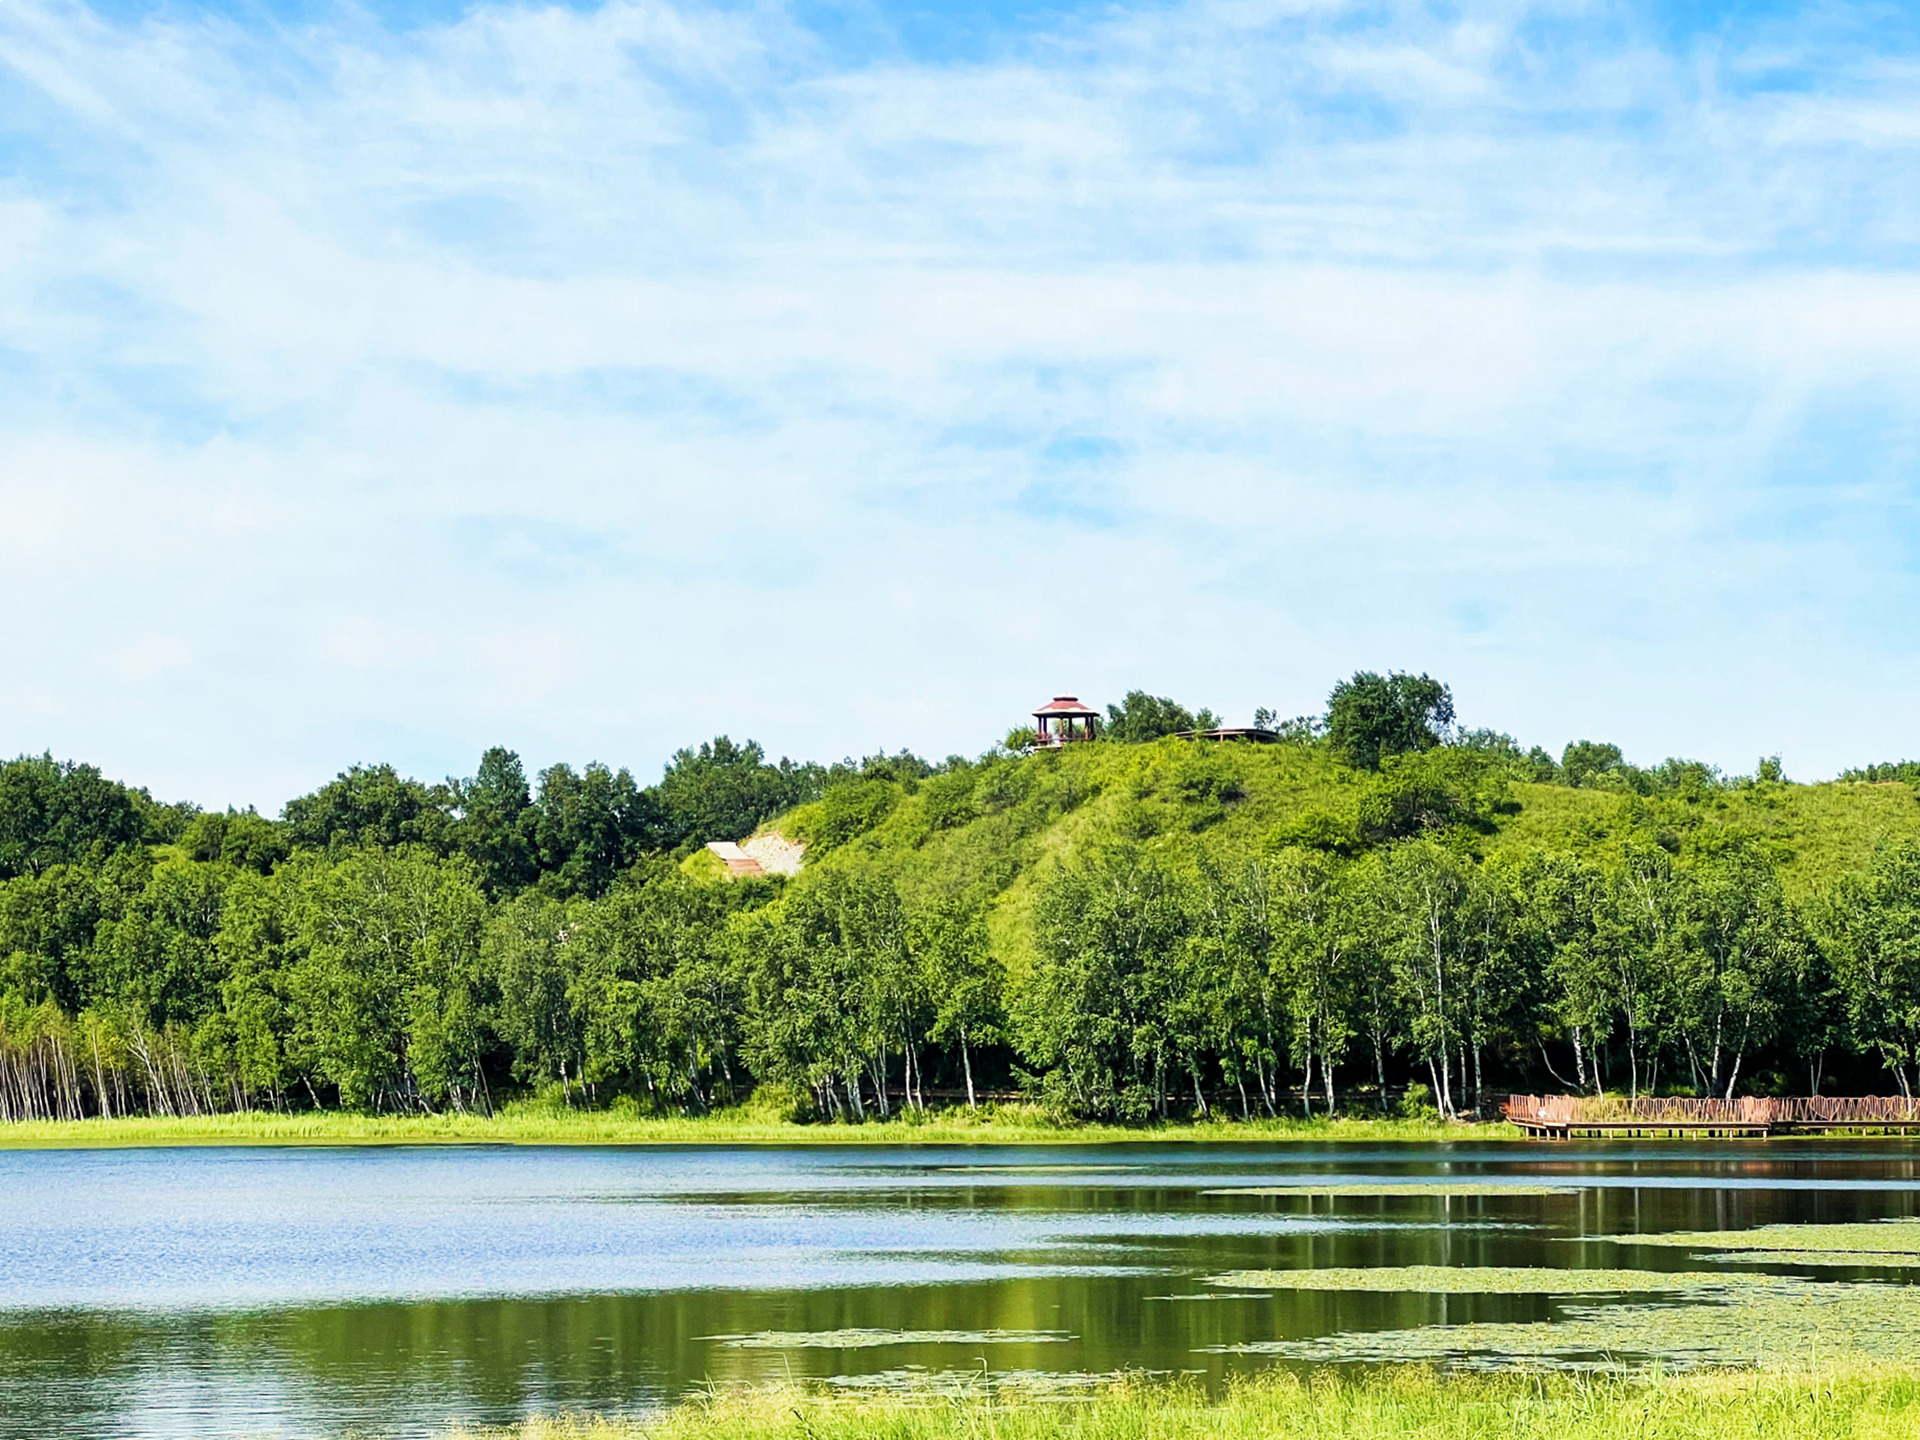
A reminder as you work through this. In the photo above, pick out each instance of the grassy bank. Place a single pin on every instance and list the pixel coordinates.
(1004, 1124)
(1852, 1401)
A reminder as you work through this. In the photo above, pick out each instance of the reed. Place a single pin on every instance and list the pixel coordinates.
(1849, 1401)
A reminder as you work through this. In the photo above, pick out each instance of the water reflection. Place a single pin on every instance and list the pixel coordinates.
(303, 1292)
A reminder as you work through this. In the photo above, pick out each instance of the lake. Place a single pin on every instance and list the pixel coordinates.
(175, 1292)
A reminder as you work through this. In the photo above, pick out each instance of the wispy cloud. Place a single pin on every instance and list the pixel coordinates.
(596, 379)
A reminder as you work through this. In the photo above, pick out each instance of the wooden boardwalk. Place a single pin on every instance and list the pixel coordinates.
(1569, 1117)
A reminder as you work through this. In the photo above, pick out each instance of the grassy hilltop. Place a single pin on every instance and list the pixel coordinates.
(989, 834)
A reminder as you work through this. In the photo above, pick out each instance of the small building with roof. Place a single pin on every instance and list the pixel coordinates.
(1063, 720)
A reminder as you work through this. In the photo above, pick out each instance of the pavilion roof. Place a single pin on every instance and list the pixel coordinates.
(1065, 705)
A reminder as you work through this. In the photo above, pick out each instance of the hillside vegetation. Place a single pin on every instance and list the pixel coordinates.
(1378, 910)
(990, 833)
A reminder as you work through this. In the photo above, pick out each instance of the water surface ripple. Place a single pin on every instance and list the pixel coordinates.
(303, 1292)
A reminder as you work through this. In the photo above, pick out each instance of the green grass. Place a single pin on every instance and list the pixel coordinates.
(1816, 833)
(1852, 1402)
(996, 1125)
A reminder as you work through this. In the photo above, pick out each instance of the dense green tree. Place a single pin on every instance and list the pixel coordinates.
(1498, 991)
(1422, 893)
(371, 805)
(964, 983)
(1505, 752)
(1313, 961)
(1903, 771)
(1371, 716)
(240, 838)
(1110, 932)
(1558, 924)
(814, 967)
(724, 791)
(590, 826)
(62, 813)
(387, 984)
(158, 959)
(947, 799)
(1873, 926)
(496, 825)
(255, 951)
(1236, 937)
(532, 965)
(1142, 717)
(1741, 953)
(48, 924)
(1640, 940)
(1425, 792)
(1588, 762)
(656, 988)
(397, 946)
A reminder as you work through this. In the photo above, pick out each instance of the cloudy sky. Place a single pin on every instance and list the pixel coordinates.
(384, 383)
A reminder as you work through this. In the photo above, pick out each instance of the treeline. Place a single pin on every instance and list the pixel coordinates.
(385, 979)
(1371, 718)
(391, 945)
(1653, 972)
(571, 831)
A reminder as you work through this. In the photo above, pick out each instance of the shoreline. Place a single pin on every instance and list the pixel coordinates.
(524, 1126)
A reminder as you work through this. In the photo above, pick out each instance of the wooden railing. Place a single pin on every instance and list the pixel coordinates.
(1600, 1112)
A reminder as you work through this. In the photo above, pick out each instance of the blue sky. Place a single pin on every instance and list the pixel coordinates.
(385, 382)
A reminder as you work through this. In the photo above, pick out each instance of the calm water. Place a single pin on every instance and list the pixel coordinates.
(306, 1292)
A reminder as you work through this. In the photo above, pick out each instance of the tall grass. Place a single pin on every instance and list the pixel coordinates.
(541, 1125)
(1852, 1402)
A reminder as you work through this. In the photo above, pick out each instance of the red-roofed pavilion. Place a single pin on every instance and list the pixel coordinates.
(1064, 719)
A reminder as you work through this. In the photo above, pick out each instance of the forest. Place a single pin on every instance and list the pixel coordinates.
(1381, 909)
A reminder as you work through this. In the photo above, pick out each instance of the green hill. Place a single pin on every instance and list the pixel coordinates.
(1139, 925)
(989, 833)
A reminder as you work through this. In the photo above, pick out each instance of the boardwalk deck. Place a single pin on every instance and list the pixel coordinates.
(1756, 1117)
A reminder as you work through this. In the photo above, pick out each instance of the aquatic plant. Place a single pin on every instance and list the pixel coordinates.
(866, 1339)
(1868, 1259)
(1488, 1280)
(1885, 1237)
(1781, 1323)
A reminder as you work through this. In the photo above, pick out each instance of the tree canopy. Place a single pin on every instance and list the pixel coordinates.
(1371, 717)
(1142, 717)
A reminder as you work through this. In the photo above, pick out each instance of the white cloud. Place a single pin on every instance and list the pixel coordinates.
(594, 381)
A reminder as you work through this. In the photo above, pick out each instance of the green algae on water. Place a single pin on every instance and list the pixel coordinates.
(867, 1339)
(1487, 1280)
(1881, 1237)
(918, 1381)
(1866, 1259)
(1785, 1324)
